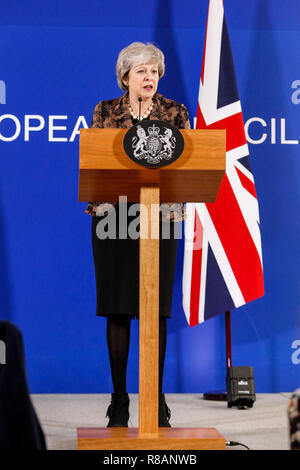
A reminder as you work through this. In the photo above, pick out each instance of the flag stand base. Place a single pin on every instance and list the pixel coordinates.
(217, 395)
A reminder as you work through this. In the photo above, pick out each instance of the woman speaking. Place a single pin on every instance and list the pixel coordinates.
(139, 69)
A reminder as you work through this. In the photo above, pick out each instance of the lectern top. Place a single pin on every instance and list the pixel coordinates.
(106, 172)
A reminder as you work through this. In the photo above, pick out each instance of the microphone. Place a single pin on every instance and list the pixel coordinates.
(140, 106)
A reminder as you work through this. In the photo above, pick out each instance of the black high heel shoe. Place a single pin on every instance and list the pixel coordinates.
(118, 410)
(164, 413)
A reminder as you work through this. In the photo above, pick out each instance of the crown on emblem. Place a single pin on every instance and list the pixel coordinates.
(153, 130)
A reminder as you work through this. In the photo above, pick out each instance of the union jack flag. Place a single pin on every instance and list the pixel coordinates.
(222, 249)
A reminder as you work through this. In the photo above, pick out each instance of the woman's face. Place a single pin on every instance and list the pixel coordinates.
(142, 81)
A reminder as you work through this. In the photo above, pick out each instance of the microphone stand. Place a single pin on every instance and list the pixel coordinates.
(140, 106)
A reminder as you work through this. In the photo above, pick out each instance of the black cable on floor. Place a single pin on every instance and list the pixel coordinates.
(234, 443)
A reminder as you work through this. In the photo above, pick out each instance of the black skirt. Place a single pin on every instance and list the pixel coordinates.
(116, 264)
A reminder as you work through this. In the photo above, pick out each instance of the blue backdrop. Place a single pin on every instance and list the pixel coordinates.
(57, 61)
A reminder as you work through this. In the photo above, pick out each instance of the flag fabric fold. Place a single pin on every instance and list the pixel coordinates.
(223, 266)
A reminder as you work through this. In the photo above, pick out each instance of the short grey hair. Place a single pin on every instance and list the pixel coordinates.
(138, 53)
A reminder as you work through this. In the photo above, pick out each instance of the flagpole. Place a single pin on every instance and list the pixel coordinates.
(221, 395)
(228, 339)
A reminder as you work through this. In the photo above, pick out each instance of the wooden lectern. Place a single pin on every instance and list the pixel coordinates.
(105, 173)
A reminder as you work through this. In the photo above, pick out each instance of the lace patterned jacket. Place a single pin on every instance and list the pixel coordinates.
(115, 113)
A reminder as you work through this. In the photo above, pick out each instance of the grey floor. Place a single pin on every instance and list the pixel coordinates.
(263, 427)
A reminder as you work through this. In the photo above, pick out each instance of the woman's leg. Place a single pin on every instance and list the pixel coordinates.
(118, 340)
(162, 348)
(164, 413)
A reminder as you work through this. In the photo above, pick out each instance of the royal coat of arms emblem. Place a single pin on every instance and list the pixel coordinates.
(153, 143)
